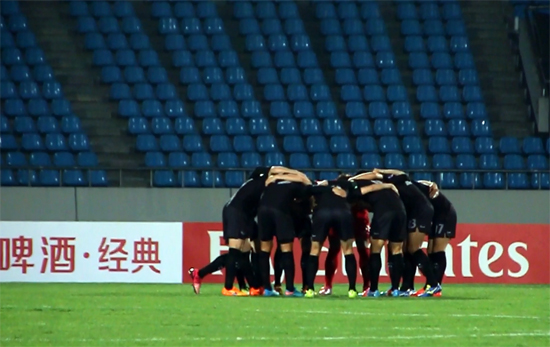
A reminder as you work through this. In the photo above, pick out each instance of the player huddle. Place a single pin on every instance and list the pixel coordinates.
(287, 205)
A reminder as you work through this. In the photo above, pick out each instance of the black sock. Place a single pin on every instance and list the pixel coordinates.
(287, 260)
(312, 267)
(351, 270)
(255, 262)
(231, 267)
(278, 267)
(240, 278)
(264, 269)
(409, 271)
(214, 266)
(306, 249)
(246, 270)
(439, 261)
(423, 263)
(396, 270)
(375, 266)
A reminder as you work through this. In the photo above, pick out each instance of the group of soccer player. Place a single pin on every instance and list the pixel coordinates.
(282, 203)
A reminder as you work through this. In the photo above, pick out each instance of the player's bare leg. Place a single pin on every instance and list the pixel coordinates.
(351, 266)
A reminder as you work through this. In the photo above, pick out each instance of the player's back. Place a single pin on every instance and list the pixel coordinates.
(408, 192)
(281, 194)
(326, 198)
(382, 200)
(248, 196)
(440, 203)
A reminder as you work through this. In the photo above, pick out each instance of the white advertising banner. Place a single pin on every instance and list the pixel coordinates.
(90, 252)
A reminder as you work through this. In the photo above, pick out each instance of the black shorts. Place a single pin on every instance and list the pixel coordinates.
(236, 224)
(444, 225)
(421, 218)
(390, 225)
(302, 227)
(338, 219)
(275, 223)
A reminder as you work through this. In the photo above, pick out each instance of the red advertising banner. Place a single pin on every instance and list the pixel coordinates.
(480, 253)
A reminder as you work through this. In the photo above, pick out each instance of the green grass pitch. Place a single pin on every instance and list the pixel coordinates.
(172, 315)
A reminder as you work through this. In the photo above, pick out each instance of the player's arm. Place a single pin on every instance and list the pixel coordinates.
(289, 177)
(389, 172)
(434, 189)
(377, 187)
(367, 176)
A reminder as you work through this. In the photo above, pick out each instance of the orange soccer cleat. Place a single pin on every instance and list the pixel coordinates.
(255, 292)
(233, 292)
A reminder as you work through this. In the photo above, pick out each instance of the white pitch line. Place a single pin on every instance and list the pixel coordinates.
(300, 338)
(361, 313)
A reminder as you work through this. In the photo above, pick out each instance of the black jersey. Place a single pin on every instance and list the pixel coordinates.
(301, 208)
(379, 201)
(260, 172)
(281, 194)
(247, 197)
(325, 197)
(408, 192)
(440, 203)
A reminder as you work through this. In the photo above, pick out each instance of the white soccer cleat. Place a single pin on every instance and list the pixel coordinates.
(325, 291)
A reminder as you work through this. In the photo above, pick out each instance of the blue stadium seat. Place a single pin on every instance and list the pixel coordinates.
(323, 161)
(412, 144)
(86, 24)
(52, 90)
(445, 77)
(192, 143)
(411, 27)
(390, 77)
(533, 145)
(111, 74)
(414, 43)
(406, 127)
(262, 59)
(514, 162)
(197, 92)
(220, 143)
(366, 144)
(4, 125)
(463, 60)
(389, 144)
(540, 181)
(466, 162)
(27, 178)
(23, 124)
(396, 93)
(212, 126)
(35, 56)
(441, 60)
(267, 75)
(184, 126)
(78, 142)
(7, 90)
(371, 161)
(63, 159)
(437, 44)
(352, 27)
(518, 181)
(451, 11)
(29, 142)
(14, 107)
(509, 145)
(406, 10)
(452, 110)
(128, 108)
(49, 178)
(375, 26)
(493, 180)
(325, 10)
(47, 124)
(174, 109)
(236, 126)
(152, 109)
(433, 27)
(165, 91)
(161, 125)
(449, 94)
(489, 162)
(300, 161)
(304, 109)
(297, 92)
(20, 73)
(175, 42)
(335, 43)
(280, 109)
(41, 159)
(61, 107)
(213, 26)
(481, 127)
(316, 144)
(350, 93)
(379, 109)
(274, 92)
(347, 10)
(468, 77)
(164, 178)
(108, 24)
(455, 27)
(458, 127)
(94, 40)
(201, 160)
(287, 126)
(182, 58)
(134, 74)
(293, 144)
(251, 160)
(190, 75)
(429, 10)
(123, 9)
(340, 144)
(325, 109)
(307, 59)
(138, 125)
(418, 161)
(205, 58)
(442, 162)
(11, 56)
(274, 159)
(290, 76)
(266, 143)
(235, 75)
(131, 25)
(157, 75)
(43, 73)
(15, 159)
(537, 162)
(476, 110)
(234, 179)
(249, 26)
(448, 180)
(6, 40)
(251, 109)
(395, 160)
(116, 41)
(55, 142)
(189, 179)
(484, 145)
(100, 9)
(178, 160)
(266, 10)
(228, 109)
(243, 92)
(385, 60)
(438, 144)
(120, 91)
(384, 127)
(459, 44)
(29, 90)
(148, 57)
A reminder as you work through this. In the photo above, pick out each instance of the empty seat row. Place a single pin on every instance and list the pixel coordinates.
(30, 90)
(529, 145)
(435, 44)
(473, 110)
(101, 8)
(429, 10)
(109, 24)
(21, 39)
(440, 144)
(445, 77)
(53, 178)
(44, 125)
(181, 9)
(449, 93)
(441, 60)
(20, 73)
(125, 57)
(54, 142)
(37, 107)
(117, 41)
(43, 159)
(432, 27)
(457, 127)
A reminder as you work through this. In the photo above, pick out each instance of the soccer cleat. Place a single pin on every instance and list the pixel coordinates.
(438, 295)
(255, 292)
(386, 293)
(417, 293)
(278, 289)
(268, 292)
(295, 293)
(325, 291)
(309, 293)
(430, 291)
(373, 294)
(245, 290)
(364, 293)
(233, 292)
(406, 293)
(196, 280)
(352, 294)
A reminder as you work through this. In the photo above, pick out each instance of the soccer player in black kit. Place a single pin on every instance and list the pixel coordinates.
(443, 229)
(275, 220)
(238, 225)
(332, 210)
(388, 224)
(419, 221)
